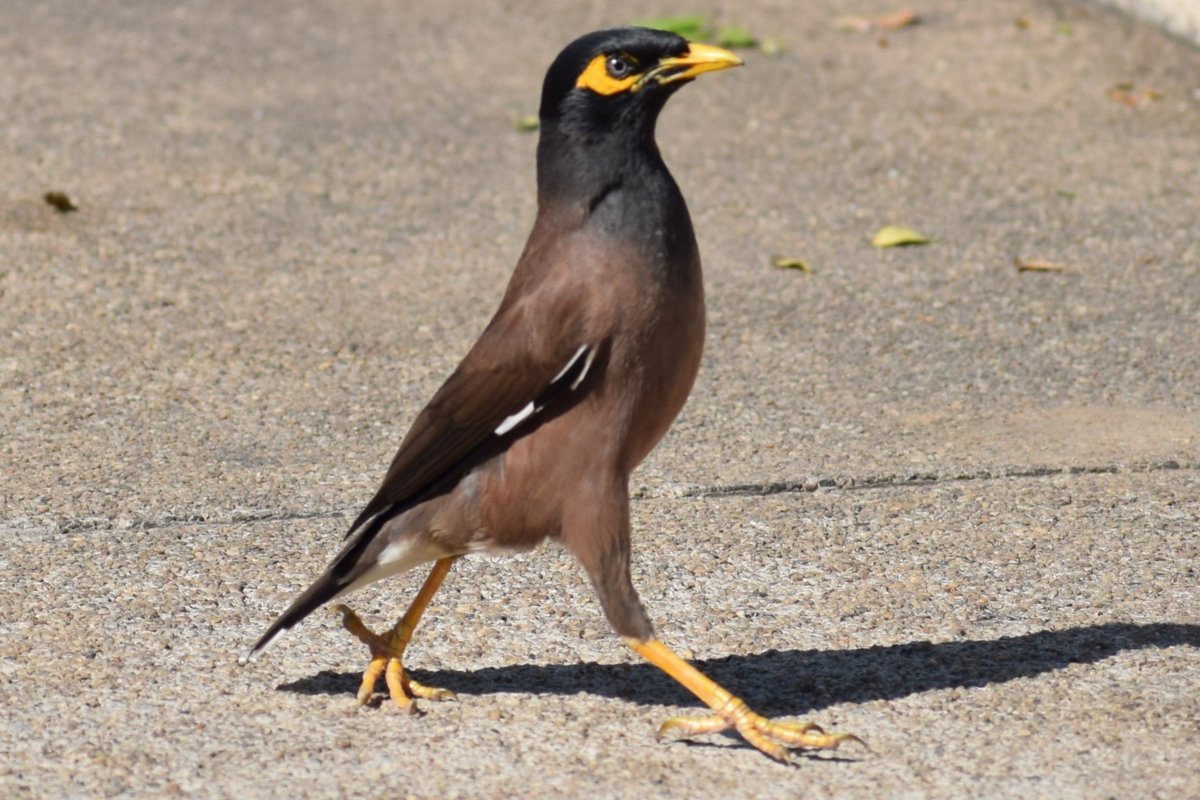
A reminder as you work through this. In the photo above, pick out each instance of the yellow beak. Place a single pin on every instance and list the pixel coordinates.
(699, 58)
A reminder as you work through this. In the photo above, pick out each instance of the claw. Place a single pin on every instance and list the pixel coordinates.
(772, 738)
(387, 652)
(775, 739)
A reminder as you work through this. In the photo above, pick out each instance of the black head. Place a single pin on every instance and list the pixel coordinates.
(620, 78)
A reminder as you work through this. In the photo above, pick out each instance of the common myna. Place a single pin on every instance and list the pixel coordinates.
(580, 372)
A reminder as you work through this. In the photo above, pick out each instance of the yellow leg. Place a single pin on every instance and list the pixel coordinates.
(772, 738)
(387, 650)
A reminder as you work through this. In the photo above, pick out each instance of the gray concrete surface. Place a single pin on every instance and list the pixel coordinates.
(917, 494)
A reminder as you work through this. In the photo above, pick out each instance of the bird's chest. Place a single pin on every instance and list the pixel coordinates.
(661, 363)
(653, 290)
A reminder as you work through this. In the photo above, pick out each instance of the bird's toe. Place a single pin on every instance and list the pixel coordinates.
(683, 727)
(805, 735)
(387, 653)
(430, 692)
(773, 738)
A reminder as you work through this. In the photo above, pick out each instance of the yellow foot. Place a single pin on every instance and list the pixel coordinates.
(387, 652)
(776, 739)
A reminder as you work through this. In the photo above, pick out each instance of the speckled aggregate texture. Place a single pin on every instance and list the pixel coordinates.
(917, 495)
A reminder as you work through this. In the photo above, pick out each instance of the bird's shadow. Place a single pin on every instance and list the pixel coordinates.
(798, 682)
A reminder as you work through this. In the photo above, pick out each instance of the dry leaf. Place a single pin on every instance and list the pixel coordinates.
(884, 22)
(896, 20)
(1034, 265)
(897, 236)
(860, 24)
(61, 201)
(786, 262)
(1132, 96)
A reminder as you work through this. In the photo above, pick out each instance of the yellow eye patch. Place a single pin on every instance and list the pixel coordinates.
(596, 78)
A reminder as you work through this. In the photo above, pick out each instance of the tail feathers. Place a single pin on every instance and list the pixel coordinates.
(322, 591)
(338, 578)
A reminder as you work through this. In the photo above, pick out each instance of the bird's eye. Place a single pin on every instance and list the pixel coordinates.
(618, 67)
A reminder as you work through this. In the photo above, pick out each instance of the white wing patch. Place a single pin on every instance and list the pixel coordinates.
(573, 370)
(587, 364)
(583, 348)
(516, 419)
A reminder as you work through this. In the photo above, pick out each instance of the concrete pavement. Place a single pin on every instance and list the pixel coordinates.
(917, 494)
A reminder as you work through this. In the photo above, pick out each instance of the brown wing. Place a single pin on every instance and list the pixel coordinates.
(512, 371)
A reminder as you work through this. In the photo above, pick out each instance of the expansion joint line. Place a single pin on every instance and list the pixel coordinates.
(843, 483)
(910, 479)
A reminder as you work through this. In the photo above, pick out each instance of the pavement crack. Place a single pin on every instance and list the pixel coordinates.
(898, 480)
(179, 520)
(910, 479)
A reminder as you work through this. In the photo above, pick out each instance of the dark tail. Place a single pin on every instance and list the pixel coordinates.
(341, 573)
(322, 591)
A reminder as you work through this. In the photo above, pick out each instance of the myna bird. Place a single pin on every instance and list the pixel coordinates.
(580, 372)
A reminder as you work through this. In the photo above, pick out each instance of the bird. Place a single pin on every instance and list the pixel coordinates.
(590, 356)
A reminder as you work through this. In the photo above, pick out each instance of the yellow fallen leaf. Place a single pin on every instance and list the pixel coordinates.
(526, 123)
(1034, 265)
(897, 236)
(785, 262)
(771, 46)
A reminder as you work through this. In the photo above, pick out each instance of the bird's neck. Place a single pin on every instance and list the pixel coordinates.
(581, 168)
(620, 188)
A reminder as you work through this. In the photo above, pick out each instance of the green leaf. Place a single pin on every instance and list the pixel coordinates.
(897, 236)
(689, 26)
(696, 27)
(735, 38)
